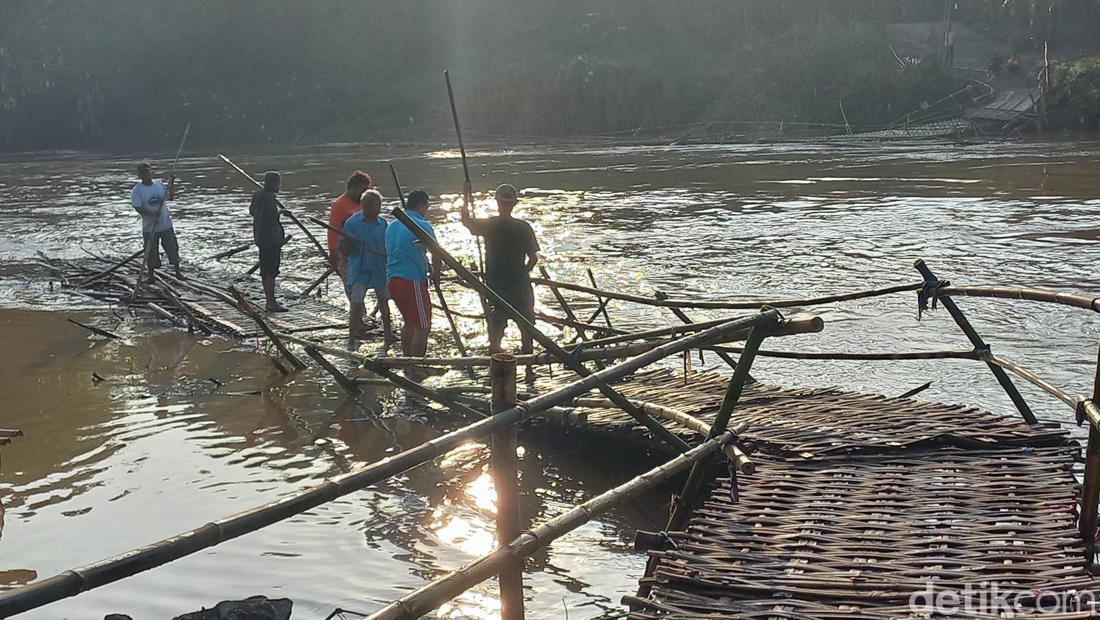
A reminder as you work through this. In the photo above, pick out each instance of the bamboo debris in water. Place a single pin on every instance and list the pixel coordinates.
(73, 582)
(96, 330)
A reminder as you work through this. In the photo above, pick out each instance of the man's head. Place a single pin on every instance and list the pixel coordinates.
(272, 181)
(371, 203)
(418, 201)
(358, 183)
(145, 173)
(507, 196)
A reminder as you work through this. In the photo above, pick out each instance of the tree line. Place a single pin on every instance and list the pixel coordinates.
(125, 73)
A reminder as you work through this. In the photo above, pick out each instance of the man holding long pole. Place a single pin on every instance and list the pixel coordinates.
(150, 199)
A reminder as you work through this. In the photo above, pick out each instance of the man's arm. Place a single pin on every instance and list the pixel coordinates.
(532, 249)
(437, 267)
(334, 238)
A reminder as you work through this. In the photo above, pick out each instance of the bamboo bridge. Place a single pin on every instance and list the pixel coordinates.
(796, 503)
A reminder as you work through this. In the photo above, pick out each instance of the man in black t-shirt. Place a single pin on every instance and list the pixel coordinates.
(267, 233)
(511, 252)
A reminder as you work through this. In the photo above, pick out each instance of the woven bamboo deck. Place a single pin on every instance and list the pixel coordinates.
(858, 502)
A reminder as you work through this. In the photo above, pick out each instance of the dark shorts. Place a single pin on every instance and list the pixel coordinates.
(270, 259)
(522, 300)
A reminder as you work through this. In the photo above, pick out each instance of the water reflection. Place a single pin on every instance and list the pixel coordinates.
(183, 430)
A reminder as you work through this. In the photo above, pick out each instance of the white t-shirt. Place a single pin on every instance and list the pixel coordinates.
(148, 200)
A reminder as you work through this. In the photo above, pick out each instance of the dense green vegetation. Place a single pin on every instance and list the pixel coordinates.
(84, 73)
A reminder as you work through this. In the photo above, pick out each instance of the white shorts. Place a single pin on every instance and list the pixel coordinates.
(358, 294)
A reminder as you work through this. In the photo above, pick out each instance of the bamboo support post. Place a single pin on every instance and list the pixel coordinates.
(603, 304)
(1090, 490)
(73, 582)
(547, 343)
(505, 472)
(349, 386)
(976, 340)
(456, 582)
(246, 307)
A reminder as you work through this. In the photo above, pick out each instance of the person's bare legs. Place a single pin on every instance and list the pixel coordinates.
(527, 346)
(420, 342)
(355, 319)
(269, 291)
(496, 335)
(387, 320)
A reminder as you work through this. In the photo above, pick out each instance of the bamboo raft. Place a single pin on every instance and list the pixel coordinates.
(834, 504)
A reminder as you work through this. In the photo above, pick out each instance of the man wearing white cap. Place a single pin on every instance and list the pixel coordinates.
(511, 252)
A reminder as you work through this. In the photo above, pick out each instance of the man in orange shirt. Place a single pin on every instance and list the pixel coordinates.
(342, 208)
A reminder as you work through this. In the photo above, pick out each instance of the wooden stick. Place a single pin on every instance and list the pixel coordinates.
(504, 467)
(246, 307)
(349, 386)
(1031, 378)
(344, 235)
(867, 356)
(113, 268)
(960, 319)
(731, 305)
(320, 248)
(454, 583)
(237, 250)
(96, 330)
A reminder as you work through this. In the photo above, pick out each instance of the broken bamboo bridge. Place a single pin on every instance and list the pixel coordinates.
(791, 502)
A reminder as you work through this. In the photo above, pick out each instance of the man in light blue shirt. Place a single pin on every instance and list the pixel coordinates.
(364, 243)
(407, 276)
(150, 199)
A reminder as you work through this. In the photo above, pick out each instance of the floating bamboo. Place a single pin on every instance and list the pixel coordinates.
(505, 472)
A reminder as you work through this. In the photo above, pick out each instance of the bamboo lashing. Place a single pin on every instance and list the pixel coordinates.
(454, 583)
(73, 582)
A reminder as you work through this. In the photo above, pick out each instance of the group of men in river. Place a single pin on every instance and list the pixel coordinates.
(370, 253)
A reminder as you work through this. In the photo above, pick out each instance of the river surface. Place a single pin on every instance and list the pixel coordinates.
(171, 433)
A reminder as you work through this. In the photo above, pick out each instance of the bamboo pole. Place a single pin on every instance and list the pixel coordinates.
(96, 330)
(1026, 294)
(454, 583)
(108, 271)
(547, 343)
(505, 466)
(976, 340)
(324, 276)
(1032, 378)
(344, 235)
(730, 305)
(1090, 490)
(790, 327)
(341, 379)
(73, 582)
(293, 218)
(866, 356)
(230, 252)
(246, 307)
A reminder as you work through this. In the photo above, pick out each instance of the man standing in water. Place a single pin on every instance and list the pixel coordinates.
(150, 199)
(407, 276)
(267, 233)
(341, 209)
(364, 243)
(949, 46)
(511, 252)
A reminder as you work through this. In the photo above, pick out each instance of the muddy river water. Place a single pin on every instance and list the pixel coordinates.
(171, 433)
